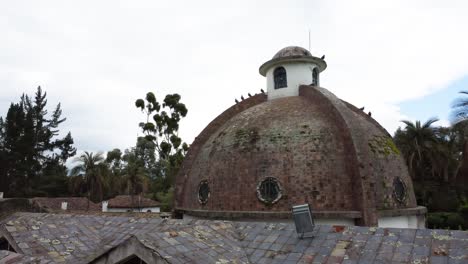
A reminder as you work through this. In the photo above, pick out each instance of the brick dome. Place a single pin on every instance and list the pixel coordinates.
(313, 148)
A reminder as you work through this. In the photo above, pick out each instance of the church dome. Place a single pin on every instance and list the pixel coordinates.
(292, 51)
(260, 157)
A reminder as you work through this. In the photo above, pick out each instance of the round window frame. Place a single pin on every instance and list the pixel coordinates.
(397, 198)
(280, 190)
(200, 199)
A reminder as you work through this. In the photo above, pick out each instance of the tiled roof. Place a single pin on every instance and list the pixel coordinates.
(85, 238)
(12, 257)
(125, 201)
(73, 203)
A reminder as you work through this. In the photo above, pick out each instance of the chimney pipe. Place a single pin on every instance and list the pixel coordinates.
(104, 206)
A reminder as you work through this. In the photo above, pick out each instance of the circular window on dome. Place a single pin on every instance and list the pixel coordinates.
(399, 190)
(203, 192)
(269, 190)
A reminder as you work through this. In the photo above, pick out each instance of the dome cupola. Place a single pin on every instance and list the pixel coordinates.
(288, 69)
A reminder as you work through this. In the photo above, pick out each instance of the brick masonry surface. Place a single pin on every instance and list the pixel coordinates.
(322, 151)
(58, 238)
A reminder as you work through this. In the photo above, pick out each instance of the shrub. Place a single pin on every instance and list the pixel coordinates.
(443, 201)
(444, 220)
(436, 220)
(166, 199)
(463, 210)
(455, 221)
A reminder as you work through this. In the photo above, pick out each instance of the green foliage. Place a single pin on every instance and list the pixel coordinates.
(434, 158)
(463, 211)
(134, 173)
(460, 109)
(430, 152)
(32, 158)
(161, 130)
(383, 145)
(446, 220)
(436, 196)
(94, 172)
(166, 199)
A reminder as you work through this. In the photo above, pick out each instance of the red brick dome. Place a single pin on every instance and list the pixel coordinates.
(261, 156)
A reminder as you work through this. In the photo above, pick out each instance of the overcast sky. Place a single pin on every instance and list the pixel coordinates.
(98, 57)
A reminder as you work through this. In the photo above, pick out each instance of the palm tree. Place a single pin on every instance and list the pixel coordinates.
(134, 174)
(460, 122)
(417, 142)
(93, 169)
(448, 152)
(460, 109)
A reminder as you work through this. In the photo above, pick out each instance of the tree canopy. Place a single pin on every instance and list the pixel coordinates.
(161, 129)
(32, 153)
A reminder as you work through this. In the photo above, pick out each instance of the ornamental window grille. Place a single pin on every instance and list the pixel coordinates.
(315, 77)
(269, 191)
(280, 78)
(203, 192)
(399, 190)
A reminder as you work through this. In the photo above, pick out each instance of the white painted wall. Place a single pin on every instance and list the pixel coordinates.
(297, 73)
(104, 206)
(124, 210)
(405, 221)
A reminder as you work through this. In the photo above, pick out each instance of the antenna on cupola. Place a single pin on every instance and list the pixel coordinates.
(309, 39)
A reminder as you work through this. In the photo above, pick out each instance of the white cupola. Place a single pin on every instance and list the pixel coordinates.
(288, 69)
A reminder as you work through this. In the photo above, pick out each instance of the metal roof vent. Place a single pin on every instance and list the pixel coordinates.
(303, 219)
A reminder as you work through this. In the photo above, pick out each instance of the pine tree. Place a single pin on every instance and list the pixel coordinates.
(32, 157)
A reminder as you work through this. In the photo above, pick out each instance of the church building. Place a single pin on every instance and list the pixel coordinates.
(297, 143)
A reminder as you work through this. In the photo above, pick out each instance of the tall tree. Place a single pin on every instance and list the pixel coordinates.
(31, 151)
(161, 128)
(416, 142)
(135, 176)
(116, 166)
(460, 122)
(94, 171)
